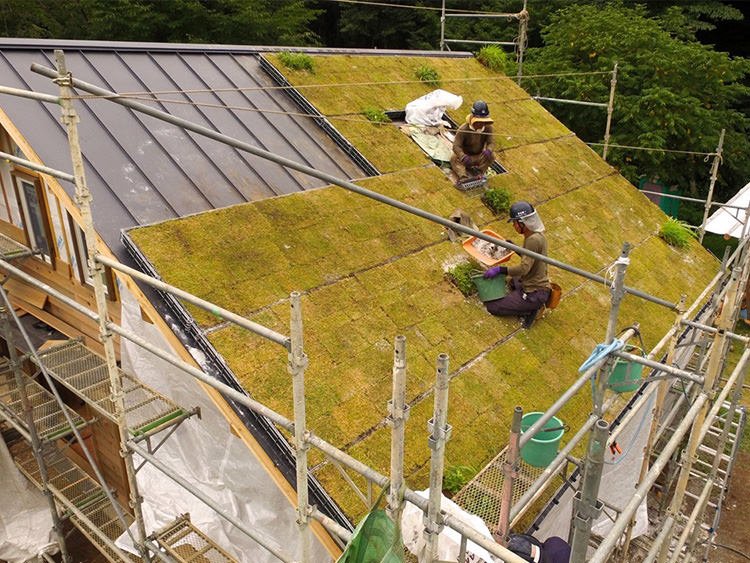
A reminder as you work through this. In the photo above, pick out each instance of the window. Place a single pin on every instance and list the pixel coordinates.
(81, 261)
(34, 215)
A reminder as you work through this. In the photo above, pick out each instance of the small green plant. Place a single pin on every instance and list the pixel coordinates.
(456, 477)
(460, 275)
(376, 115)
(497, 199)
(427, 74)
(297, 61)
(493, 57)
(676, 233)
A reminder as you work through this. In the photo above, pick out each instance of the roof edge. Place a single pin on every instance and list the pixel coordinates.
(33, 43)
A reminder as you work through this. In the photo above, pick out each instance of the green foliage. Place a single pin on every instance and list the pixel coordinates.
(297, 61)
(456, 477)
(460, 275)
(376, 115)
(493, 57)
(671, 93)
(428, 74)
(497, 199)
(676, 233)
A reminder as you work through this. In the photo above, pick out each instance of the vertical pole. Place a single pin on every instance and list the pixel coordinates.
(398, 414)
(439, 430)
(617, 292)
(83, 200)
(715, 362)
(36, 445)
(510, 472)
(714, 170)
(523, 22)
(442, 27)
(661, 395)
(586, 503)
(296, 366)
(610, 109)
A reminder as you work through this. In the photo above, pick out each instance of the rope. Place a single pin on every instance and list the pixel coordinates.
(707, 154)
(412, 7)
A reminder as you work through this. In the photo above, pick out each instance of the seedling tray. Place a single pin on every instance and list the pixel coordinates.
(475, 253)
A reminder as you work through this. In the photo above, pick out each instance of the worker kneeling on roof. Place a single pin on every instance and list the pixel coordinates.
(529, 284)
(474, 143)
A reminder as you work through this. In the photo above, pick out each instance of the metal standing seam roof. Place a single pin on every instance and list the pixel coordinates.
(142, 170)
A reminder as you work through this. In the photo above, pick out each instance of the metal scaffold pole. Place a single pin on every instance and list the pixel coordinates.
(714, 172)
(83, 200)
(440, 431)
(398, 414)
(36, 445)
(523, 22)
(297, 365)
(442, 27)
(510, 472)
(610, 109)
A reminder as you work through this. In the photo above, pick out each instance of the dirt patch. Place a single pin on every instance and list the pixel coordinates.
(733, 528)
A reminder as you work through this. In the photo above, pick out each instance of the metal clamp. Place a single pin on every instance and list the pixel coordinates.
(433, 440)
(397, 414)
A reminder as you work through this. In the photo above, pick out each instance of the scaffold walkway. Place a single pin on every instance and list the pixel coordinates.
(187, 544)
(85, 374)
(48, 417)
(10, 249)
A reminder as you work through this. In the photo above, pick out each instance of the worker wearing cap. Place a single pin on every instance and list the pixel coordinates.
(474, 143)
(530, 287)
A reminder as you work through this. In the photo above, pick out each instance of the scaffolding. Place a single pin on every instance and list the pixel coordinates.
(691, 401)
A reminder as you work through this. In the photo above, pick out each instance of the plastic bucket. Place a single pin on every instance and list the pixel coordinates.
(626, 376)
(542, 448)
(489, 288)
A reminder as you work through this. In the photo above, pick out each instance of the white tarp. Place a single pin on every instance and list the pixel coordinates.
(449, 541)
(728, 221)
(211, 458)
(619, 479)
(429, 109)
(25, 518)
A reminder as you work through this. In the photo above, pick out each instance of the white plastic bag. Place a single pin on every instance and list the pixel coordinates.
(449, 541)
(429, 109)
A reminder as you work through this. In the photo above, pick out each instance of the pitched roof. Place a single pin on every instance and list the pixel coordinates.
(370, 272)
(142, 170)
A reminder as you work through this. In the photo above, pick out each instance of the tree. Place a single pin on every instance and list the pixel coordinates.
(672, 93)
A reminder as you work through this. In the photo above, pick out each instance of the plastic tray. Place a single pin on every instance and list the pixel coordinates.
(483, 258)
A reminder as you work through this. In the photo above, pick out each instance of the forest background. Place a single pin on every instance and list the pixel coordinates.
(682, 65)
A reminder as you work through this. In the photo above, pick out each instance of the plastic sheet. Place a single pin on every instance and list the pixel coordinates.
(25, 518)
(212, 459)
(727, 221)
(449, 541)
(429, 109)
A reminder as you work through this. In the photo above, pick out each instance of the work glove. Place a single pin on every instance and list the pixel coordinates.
(492, 272)
(466, 159)
(487, 153)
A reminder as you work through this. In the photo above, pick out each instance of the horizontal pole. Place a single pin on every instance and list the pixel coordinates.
(478, 42)
(623, 520)
(38, 167)
(497, 15)
(575, 102)
(565, 397)
(683, 198)
(29, 94)
(241, 145)
(258, 537)
(220, 312)
(673, 371)
(713, 330)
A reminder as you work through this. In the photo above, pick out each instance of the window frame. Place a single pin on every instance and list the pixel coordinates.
(80, 251)
(19, 177)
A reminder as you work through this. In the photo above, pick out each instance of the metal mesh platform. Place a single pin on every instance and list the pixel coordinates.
(482, 495)
(70, 483)
(85, 373)
(10, 249)
(48, 416)
(184, 542)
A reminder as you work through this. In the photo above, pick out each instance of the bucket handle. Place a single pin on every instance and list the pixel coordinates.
(565, 428)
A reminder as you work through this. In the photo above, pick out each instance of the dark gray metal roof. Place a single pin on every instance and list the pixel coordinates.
(142, 170)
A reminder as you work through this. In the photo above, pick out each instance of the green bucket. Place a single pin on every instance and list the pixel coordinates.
(489, 288)
(542, 448)
(626, 376)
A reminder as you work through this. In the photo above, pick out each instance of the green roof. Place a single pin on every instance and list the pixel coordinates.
(369, 272)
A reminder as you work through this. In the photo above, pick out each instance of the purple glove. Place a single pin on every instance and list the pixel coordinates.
(492, 272)
(466, 159)
(487, 153)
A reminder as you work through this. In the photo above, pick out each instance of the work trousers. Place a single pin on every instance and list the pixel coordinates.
(478, 161)
(517, 302)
